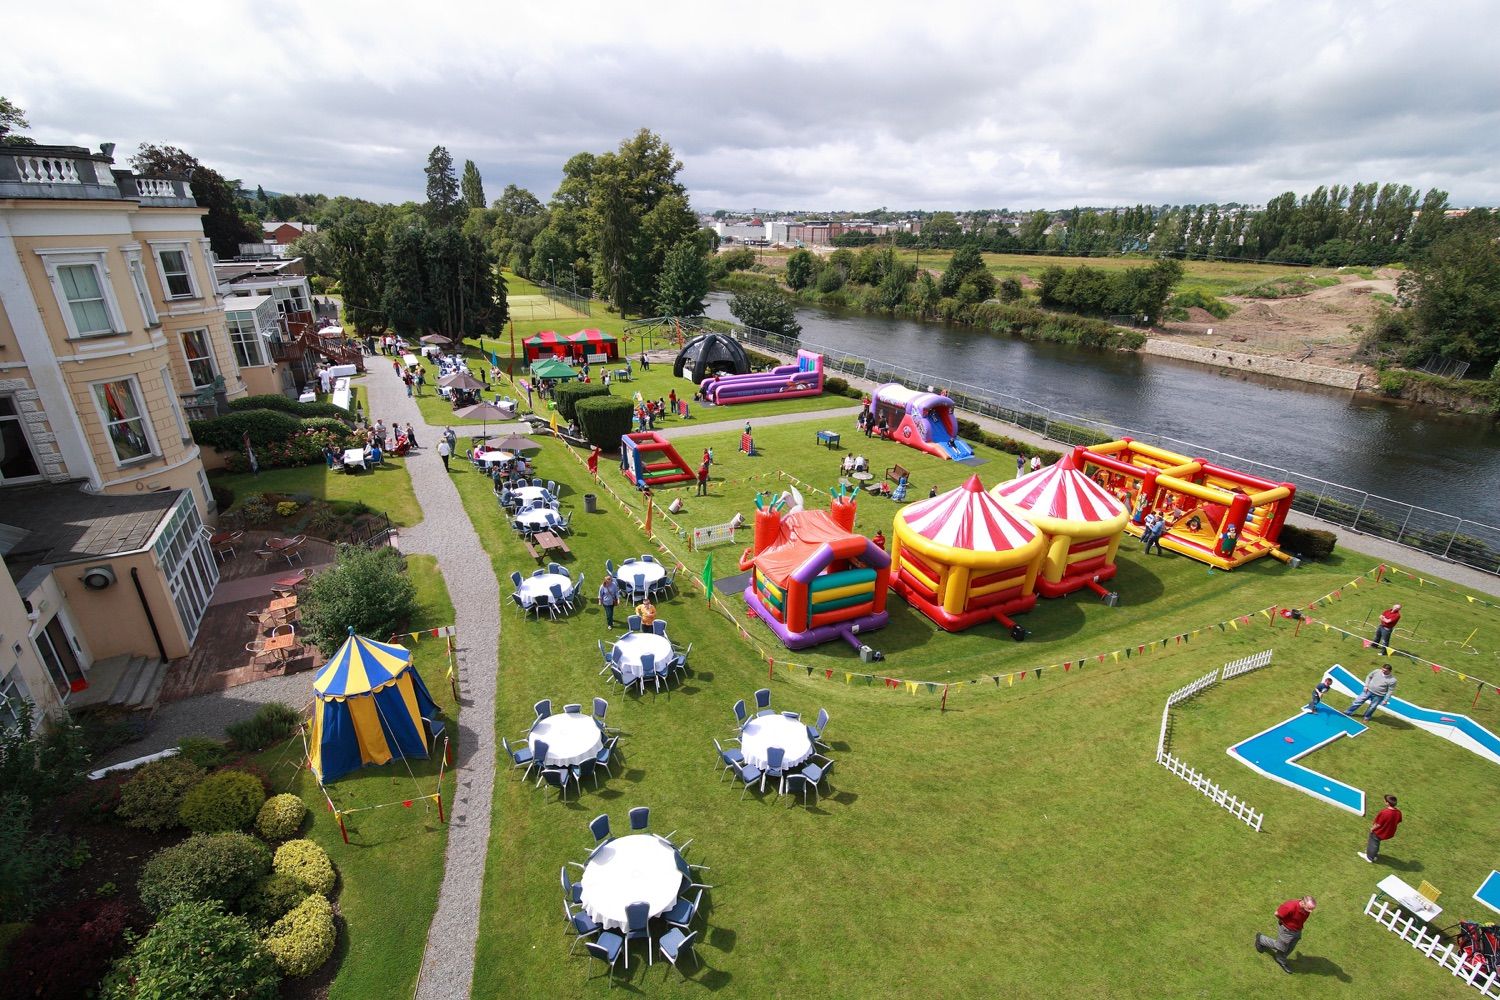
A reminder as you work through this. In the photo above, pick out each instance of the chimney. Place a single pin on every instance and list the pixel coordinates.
(108, 149)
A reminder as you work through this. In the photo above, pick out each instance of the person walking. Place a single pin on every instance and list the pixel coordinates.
(1291, 917)
(1388, 620)
(1020, 466)
(411, 435)
(609, 596)
(443, 452)
(1319, 690)
(1383, 829)
(1379, 683)
(703, 480)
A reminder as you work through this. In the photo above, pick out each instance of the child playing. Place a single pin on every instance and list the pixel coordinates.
(1322, 688)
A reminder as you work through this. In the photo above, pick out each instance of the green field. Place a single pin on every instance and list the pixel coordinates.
(1022, 842)
(387, 488)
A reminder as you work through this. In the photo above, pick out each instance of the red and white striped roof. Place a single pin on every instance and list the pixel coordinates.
(1061, 491)
(968, 518)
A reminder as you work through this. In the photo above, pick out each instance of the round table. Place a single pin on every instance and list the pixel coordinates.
(641, 868)
(863, 477)
(650, 573)
(766, 731)
(632, 645)
(571, 738)
(533, 587)
(538, 520)
(531, 494)
(491, 458)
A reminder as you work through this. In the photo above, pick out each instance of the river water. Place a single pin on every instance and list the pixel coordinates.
(1439, 461)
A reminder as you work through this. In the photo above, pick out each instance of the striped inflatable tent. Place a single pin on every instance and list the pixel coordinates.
(1082, 521)
(369, 707)
(962, 559)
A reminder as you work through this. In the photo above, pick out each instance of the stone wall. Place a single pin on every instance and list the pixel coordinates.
(1218, 357)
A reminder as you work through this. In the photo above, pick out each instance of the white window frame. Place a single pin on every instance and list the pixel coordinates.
(213, 362)
(105, 420)
(240, 339)
(176, 246)
(97, 258)
(13, 692)
(26, 436)
(142, 289)
(182, 427)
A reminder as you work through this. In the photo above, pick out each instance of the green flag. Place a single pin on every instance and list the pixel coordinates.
(708, 578)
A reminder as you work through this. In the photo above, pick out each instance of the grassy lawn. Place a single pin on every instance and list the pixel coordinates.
(386, 488)
(1021, 843)
(390, 870)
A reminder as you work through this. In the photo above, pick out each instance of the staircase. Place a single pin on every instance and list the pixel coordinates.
(126, 682)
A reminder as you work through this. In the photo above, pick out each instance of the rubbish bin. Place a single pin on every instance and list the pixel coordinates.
(590, 503)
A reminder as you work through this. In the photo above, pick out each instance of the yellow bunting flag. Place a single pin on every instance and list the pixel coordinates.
(1116, 655)
(1010, 680)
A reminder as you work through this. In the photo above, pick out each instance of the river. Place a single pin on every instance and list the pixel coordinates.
(1444, 462)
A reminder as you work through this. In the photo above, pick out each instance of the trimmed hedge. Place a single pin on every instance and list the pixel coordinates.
(152, 798)
(280, 817)
(307, 863)
(272, 722)
(272, 898)
(303, 940)
(221, 867)
(280, 440)
(196, 952)
(227, 432)
(286, 404)
(604, 419)
(1311, 544)
(225, 800)
(568, 394)
(204, 752)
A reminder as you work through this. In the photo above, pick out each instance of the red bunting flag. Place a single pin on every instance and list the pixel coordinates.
(1067, 665)
(1436, 669)
(1023, 675)
(407, 803)
(828, 674)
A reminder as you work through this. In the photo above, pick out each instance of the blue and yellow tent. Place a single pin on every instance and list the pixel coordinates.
(368, 706)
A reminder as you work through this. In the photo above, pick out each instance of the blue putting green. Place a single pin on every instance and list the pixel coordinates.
(1489, 892)
(1450, 726)
(1275, 752)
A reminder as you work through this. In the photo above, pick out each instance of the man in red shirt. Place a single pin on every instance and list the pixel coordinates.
(1290, 916)
(703, 479)
(1383, 829)
(1388, 619)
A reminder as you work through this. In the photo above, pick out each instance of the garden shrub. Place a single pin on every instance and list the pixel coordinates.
(152, 798)
(255, 510)
(271, 723)
(285, 404)
(66, 953)
(196, 952)
(225, 800)
(306, 862)
(304, 447)
(1312, 544)
(280, 817)
(28, 867)
(287, 508)
(220, 866)
(365, 590)
(272, 898)
(204, 752)
(568, 394)
(604, 420)
(227, 432)
(303, 940)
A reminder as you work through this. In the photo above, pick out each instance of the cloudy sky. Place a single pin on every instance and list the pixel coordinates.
(789, 105)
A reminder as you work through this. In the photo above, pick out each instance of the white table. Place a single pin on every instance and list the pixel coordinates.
(766, 731)
(538, 520)
(411, 359)
(640, 868)
(531, 494)
(308, 397)
(634, 645)
(1410, 899)
(571, 738)
(651, 573)
(354, 456)
(533, 587)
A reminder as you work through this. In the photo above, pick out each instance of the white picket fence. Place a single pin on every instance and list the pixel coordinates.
(1413, 931)
(713, 534)
(1236, 807)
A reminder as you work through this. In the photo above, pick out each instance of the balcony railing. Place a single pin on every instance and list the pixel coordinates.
(150, 187)
(46, 170)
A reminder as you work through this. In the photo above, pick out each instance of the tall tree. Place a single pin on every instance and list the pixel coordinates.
(12, 118)
(225, 225)
(473, 186)
(766, 309)
(683, 284)
(637, 211)
(1453, 290)
(443, 204)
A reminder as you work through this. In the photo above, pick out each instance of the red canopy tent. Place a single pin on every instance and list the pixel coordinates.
(587, 342)
(546, 344)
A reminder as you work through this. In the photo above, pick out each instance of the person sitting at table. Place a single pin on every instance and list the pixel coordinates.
(376, 455)
(647, 611)
(847, 465)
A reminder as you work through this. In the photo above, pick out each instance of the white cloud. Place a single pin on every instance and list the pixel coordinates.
(939, 105)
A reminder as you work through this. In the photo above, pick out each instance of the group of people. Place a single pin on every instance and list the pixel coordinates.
(377, 440)
(609, 599)
(872, 425)
(649, 411)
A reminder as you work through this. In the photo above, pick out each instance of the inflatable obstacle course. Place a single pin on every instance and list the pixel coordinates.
(648, 459)
(1082, 522)
(804, 378)
(920, 420)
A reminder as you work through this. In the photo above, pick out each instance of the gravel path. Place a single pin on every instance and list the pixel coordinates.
(445, 531)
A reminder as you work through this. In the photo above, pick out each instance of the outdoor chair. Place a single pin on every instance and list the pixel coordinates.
(599, 827)
(683, 911)
(649, 559)
(682, 658)
(794, 783)
(640, 817)
(668, 584)
(559, 598)
(727, 758)
(228, 545)
(553, 567)
(603, 654)
(575, 708)
(607, 947)
(520, 601)
(816, 773)
(634, 623)
(537, 482)
(515, 579)
(559, 778)
(815, 731)
(544, 603)
(606, 755)
(586, 769)
(567, 523)
(519, 758)
(551, 487)
(538, 572)
(659, 627)
(739, 714)
(674, 944)
(577, 595)
(542, 708)
(638, 928)
(774, 759)
(763, 702)
(584, 926)
(601, 707)
(747, 774)
(256, 649)
(572, 891)
(609, 566)
(662, 675)
(794, 716)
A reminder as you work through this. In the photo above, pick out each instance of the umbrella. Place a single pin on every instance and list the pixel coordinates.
(461, 380)
(436, 338)
(513, 442)
(485, 412)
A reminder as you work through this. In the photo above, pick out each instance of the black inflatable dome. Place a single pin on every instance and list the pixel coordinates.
(711, 354)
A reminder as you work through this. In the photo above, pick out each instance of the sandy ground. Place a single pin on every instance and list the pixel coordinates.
(1316, 327)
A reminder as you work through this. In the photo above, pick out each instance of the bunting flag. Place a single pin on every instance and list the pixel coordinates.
(650, 506)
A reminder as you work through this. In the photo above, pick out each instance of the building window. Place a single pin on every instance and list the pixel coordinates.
(142, 292)
(182, 552)
(249, 348)
(16, 458)
(83, 288)
(56, 651)
(200, 358)
(174, 273)
(13, 697)
(182, 427)
(124, 419)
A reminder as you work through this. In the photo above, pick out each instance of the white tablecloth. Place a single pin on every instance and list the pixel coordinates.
(538, 519)
(571, 738)
(411, 359)
(533, 587)
(531, 494)
(632, 645)
(767, 731)
(637, 869)
(354, 456)
(650, 572)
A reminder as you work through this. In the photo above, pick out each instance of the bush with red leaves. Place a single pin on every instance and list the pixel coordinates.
(66, 952)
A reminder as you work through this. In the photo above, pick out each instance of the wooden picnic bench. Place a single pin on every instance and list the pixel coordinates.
(549, 541)
(896, 473)
(531, 549)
